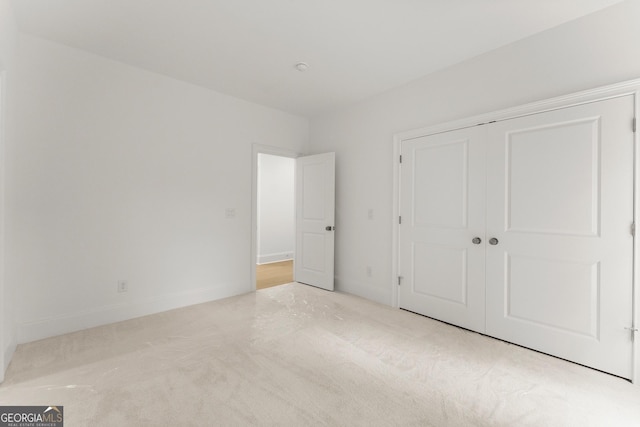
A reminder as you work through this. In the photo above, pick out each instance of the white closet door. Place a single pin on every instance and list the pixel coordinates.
(560, 204)
(443, 209)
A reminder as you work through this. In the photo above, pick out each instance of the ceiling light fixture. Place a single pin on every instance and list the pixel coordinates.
(302, 66)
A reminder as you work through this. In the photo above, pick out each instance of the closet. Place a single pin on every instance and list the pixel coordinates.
(521, 229)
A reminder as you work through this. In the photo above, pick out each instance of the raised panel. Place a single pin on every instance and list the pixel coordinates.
(313, 254)
(314, 182)
(559, 294)
(440, 185)
(440, 272)
(553, 179)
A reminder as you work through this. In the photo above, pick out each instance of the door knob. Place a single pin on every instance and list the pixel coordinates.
(329, 228)
(476, 240)
(493, 241)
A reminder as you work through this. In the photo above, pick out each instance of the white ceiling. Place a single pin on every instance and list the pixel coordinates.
(248, 48)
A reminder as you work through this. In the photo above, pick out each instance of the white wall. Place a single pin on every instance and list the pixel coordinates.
(8, 36)
(593, 51)
(276, 209)
(123, 174)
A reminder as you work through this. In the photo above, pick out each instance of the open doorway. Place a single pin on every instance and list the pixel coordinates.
(314, 217)
(275, 220)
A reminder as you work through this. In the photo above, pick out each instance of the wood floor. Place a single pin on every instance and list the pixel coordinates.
(276, 273)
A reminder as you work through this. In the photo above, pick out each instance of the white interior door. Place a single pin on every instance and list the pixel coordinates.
(560, 204)
(315, 220)
(443, 210)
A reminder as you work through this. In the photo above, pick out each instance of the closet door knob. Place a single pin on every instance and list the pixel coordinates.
(476, 240)
(493, 241)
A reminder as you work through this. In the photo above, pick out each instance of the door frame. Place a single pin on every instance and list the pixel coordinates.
(255, 150)
(6, 348)
(631, 87)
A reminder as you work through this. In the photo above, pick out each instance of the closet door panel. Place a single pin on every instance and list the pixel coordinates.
(442, 208)
(560, 206)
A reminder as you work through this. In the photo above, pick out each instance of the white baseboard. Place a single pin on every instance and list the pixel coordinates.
(45, 328)
(269, 258)
(365, 290)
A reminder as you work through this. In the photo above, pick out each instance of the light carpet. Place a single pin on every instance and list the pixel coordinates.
(294, 355)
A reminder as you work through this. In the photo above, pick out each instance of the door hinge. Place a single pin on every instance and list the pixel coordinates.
(633, 124)
(400, 158)
(633, 229)
(400, 220)
(633, 332)
(399, 280)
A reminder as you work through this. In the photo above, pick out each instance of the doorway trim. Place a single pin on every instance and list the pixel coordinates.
(255, 150)
(4, 357)
(631, 87)
(7, 324)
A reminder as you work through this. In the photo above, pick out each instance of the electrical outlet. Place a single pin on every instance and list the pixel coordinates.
(230, 213)
(369, 271)
(370, 213)
(123, 286)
